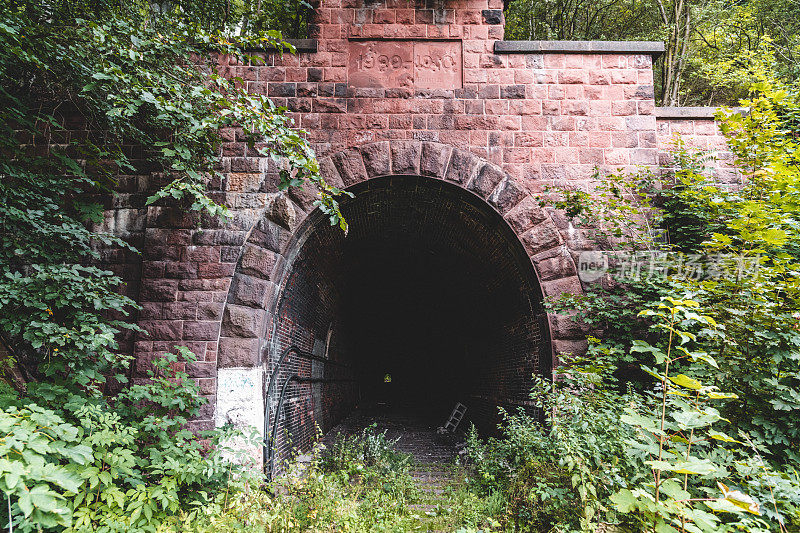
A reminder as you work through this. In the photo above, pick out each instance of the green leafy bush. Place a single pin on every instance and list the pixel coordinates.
(674, 435)
(559, 474)
(360, 484)
(31, 476)
(126, 464)
(710, 419)
(365, 449)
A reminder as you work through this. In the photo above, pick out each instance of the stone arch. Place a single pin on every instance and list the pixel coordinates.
(268, 254)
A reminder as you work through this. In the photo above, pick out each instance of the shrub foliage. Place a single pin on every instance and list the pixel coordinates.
(703, 437)
(90, 91)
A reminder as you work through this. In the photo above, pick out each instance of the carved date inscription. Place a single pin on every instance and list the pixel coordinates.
(437, 65)
(409, 64)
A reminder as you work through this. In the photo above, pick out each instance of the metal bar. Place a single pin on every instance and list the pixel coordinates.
(270, 385)
(265, 454)
(293, 377)
(273, 432)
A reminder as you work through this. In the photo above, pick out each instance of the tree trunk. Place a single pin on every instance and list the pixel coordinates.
(677, 17)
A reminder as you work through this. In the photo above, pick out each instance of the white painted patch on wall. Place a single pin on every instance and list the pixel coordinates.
(122, 222)
(240, 402)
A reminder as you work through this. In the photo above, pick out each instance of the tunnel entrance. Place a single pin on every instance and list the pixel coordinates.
(430, 299)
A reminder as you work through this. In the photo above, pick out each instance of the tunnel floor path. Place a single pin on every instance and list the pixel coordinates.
(436, 473)
(415, 434)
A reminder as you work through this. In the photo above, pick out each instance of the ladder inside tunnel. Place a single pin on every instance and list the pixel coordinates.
(455, 418)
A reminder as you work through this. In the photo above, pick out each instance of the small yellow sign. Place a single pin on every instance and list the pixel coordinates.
(387, 378)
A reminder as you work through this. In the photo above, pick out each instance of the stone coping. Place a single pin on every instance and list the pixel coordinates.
(693, 113)
(704, 112)
(301, 45)
(653, 48)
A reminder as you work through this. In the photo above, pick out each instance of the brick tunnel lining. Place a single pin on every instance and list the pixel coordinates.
(430, 286)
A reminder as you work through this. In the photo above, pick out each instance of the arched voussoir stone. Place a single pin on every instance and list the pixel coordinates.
(507, 195)
(556, 287)
(525, 215)
(541, 237)
(556, 267)
(406, 157)
(489, 176)
(377, 158)
(562, 347)
(304, 197)
(568, 327)
(257, 261)
(463, 167)
(434, 159)
(281, 212)
(350, 165)
(329, 171)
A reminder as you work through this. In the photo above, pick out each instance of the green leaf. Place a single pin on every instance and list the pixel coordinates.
(739, 499)
(11, 479)
(660, 465)
(674, 490)
(718, 435)
(693, 466)
(25, 504)
(690, 419)
(633, 418)
(683, 380)
(46, 500)
(774, 236)
(663, 527)
(716, 395)
(89, 211)
(623, 501)
(677, 392)
(640, 346)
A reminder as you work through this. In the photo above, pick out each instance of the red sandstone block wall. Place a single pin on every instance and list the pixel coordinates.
(539, 116)
(701, 135)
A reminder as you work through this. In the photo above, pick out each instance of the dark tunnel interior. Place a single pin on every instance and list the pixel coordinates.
(430, 287)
